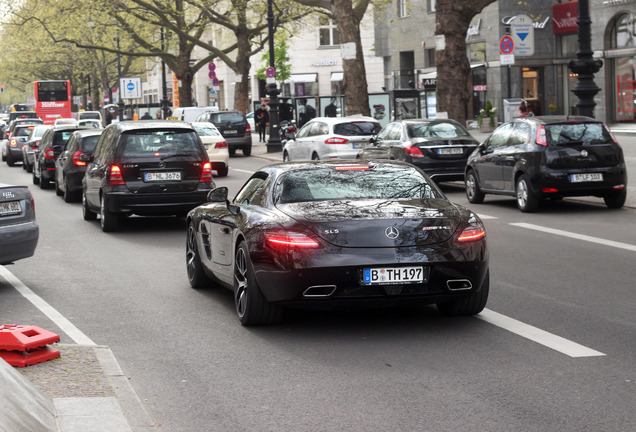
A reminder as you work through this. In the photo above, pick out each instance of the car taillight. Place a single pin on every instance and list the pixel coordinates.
(220, 145)
(291, 240)
(35, 145)
(76, 158)
(473, 231)
(336, 140)
(541, 139)
(13, 142)
(206, 173)
(248, 129)
(414, 152)
(48, 153)
(115, 177)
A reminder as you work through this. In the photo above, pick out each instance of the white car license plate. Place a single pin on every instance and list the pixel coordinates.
(359, 145)
(10, 208)
(586, 177)
(450, 151)
(392, 275)
(231, 131)
(162, 176)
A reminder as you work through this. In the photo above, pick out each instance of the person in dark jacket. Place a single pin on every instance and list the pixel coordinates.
(146, 116)
(261, 118)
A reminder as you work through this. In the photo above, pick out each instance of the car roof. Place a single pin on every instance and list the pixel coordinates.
(133, 125)
(283, 167)
(88, 132)
(348, 119)
(552, 119)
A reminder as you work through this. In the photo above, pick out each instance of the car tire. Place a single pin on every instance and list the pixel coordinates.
(10, 160)
(286, 157)
(247, 151)
(36, 180)
(196, 276)
(28, 167)
(88, 214)
(252, 307)
(526, 199)
(469, 305)
(231, 151)
(108, 219)
(68, 195)
(44, 183)
(58, 191)
(616, 200)
(473, 193)
(24, 165)
(222, 171)
(315, 157)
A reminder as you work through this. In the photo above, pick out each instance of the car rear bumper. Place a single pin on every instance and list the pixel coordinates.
(442, 170)
(16, 153)
(239, 142)
(557, 182)
(18, 241)
(155, 204)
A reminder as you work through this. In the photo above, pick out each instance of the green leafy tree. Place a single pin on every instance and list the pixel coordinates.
(282, 62)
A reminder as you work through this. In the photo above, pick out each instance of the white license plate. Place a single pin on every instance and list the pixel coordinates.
(10, 208)
(586, 177)
(392, 275)
(359, 145)
(450, 151)
(230, 131)
(162, 176)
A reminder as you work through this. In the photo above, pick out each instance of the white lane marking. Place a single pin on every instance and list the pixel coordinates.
(243, 171)
(484, 217)
(537, 335)
(583, 237)
(48, 310)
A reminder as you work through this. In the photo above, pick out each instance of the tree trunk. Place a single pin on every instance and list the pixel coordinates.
(452, 19)
(355, 76)
(243, 65)
(185, 75)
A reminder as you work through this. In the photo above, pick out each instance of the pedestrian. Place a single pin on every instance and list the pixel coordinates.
(305, 112)
(146, 116)
(261, 117)
(525, 110)
(135, 116)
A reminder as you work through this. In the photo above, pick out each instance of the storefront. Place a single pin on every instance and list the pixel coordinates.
(621, 63)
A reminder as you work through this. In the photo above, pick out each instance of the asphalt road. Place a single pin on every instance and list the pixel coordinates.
(554, 350)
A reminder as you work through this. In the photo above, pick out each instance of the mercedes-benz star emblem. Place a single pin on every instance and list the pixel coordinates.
(391, 232)
(162, 164)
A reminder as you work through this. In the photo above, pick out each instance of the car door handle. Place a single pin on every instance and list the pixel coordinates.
(224, 230)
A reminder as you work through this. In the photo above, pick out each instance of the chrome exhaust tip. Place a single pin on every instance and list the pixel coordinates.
(459, 284)
(318, 291)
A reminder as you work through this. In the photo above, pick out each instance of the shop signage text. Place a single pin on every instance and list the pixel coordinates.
(536, 24)
(325, 63)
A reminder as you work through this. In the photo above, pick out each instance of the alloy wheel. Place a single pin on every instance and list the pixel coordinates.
(241, 282)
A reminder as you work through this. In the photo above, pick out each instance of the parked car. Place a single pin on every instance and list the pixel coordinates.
(250, 120)
(65, 122)
(438, 146)
(19, 230)
(536, 158)
(69, 169)
(215, 146)
(90, 115)
(331, 138)
(28, 150)
(234, 127)
(338, 233)
(16, 141)
(51, 145)
(15, 115)
(147, 167)
(190, 114)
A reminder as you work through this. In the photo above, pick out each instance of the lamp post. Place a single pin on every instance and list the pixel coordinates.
(273, 143)
(89, 103)
(164, 91)
(120, 102)
(585, 65)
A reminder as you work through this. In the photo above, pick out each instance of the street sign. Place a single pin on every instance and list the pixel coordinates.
(522, 30)
(211, 66)
(270, 72)
(212, 75)
(130, 88)
(506, 45)
(215, 82)
(506, 59)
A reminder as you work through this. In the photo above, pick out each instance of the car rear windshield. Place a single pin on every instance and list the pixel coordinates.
(61, 137)
(227, 117)
(203, 130)
(436, 130)
(93, 116)
(357, 128)
(564, 134)
(87, 144)
(160, 142)
(371, 183)
(25, 131)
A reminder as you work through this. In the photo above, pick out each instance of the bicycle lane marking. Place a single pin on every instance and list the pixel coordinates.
(58, 319)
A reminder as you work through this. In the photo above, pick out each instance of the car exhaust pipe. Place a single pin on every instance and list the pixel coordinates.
(459, 284)
(318, 291)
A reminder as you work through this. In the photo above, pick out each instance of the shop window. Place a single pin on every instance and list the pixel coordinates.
(329, 34)
(569, 45)
(430, 5)
(624, 32)
(476, 52)
(429, 57)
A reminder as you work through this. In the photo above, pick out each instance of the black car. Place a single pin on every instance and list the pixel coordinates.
(145, 168)
(69, 168)
(16, 141)
(338, 233)
(19, 230)
(440, 147)
(548, 157)
(51, 146)
(10, 128)
(234, 127)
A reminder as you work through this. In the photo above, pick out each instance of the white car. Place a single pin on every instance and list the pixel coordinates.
(97, 124)
(324, 138)
(215, 145)
(65, 121)
(250, 120)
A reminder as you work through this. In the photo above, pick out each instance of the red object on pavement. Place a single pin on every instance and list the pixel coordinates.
(25, 337)
(26, 358)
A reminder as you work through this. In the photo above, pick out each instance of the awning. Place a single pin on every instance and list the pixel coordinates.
(337, 76)
(303, 78)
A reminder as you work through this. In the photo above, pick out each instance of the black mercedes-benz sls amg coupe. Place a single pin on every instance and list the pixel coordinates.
(338, 233)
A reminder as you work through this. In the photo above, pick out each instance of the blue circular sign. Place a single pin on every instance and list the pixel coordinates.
(212, 75)
(270, 72)
(215, 82)
(506, 45)
(130, 86)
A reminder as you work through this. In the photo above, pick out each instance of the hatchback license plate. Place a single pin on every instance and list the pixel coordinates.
(393, 275)
(162, 176)
(359, 145)
(10, 208)
(231, 132)
(450, 151)
(586, 177)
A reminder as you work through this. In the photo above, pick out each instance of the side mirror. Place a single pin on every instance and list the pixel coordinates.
(87, 158)
(373, 139)
(218, 195)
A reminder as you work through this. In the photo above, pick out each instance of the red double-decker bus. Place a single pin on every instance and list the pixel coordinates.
(49, 99)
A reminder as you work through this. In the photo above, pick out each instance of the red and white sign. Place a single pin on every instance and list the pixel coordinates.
(480, 88)
(564, 17)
